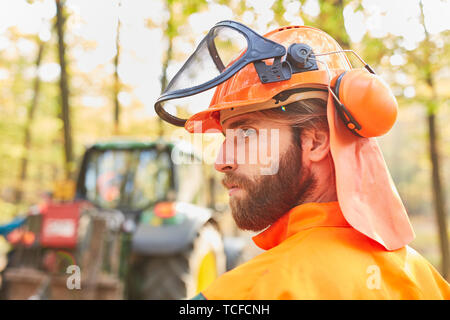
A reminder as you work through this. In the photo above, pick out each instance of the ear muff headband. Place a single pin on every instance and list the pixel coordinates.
(338, 84)
(346, 116)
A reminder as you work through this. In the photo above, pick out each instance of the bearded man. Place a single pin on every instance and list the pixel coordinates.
(303, 168)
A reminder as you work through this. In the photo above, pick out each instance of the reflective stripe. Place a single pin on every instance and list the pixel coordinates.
(200, 296)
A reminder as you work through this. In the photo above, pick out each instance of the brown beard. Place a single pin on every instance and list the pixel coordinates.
(269, 197)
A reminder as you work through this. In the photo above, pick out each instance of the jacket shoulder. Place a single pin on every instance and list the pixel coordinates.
(332, 263)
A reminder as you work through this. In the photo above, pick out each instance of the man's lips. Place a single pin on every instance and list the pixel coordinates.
(232, 188)
(231, 191)
(230, 185)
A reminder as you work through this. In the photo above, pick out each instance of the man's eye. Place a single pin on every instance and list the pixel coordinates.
(248, 132)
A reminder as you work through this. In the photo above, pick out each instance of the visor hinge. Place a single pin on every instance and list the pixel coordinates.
(278, 71)
(301, 58)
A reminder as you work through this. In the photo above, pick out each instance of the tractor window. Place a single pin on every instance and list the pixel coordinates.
(189, 178)
(127, 179)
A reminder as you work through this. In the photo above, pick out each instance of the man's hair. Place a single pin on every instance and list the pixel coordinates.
(300, 115)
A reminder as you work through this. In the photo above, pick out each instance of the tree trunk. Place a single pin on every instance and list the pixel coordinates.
(63, 83)
(438, 188)
(164, 84)
(167, 59)
(116, 88)
(211, 199)
(438, 194)
(29, 122)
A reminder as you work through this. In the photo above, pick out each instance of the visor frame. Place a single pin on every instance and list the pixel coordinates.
(258, 48)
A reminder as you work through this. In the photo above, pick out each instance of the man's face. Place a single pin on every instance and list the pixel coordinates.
(263, 170)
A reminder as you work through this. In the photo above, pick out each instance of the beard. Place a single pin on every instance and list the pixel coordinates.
(268, 197)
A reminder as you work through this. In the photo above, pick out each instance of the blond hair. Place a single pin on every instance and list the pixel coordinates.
(300, 115)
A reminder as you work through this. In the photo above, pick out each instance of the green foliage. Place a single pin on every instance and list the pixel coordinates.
(278, 11)
(331, 20)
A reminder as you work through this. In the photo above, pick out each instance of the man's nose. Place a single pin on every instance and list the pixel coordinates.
(225, 161)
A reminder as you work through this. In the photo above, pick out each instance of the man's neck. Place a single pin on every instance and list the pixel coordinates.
(325, 187)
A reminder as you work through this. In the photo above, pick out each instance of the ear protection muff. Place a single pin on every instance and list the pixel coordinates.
(365, 103)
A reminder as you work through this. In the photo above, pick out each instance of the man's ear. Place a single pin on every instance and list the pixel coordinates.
(315, 144)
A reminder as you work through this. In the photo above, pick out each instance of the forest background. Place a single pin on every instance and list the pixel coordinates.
(115, 56)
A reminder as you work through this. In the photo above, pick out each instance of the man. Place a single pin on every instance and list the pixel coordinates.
(303, 168)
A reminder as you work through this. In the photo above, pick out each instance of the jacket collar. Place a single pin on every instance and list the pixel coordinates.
(305, 216)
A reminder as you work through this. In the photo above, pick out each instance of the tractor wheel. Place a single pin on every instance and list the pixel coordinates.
(181, 275)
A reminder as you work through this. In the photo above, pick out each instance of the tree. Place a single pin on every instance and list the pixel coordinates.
(433, 140)
(422, 63)
(178, 11)
(116, 86)
(170, 34)
(64, 88)
(29, 121)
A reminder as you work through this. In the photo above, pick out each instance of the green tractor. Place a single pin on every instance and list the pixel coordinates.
(140, 229)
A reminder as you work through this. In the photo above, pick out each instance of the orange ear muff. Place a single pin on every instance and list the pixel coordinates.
(366, 104)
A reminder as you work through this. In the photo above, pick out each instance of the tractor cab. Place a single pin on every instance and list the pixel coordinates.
(133, 176)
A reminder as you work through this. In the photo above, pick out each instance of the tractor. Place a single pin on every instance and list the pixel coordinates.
(138, 227)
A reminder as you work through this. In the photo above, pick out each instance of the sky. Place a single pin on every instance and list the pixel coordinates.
(143, 47)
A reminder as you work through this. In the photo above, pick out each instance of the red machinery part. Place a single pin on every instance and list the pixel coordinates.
(60, 225)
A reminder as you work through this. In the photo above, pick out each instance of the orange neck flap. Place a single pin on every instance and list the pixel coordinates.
(302, 217)
(366, 193)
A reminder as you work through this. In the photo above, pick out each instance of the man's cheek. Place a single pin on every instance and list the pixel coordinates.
(251, 150)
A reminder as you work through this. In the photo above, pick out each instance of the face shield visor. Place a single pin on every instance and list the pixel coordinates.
(227, 48)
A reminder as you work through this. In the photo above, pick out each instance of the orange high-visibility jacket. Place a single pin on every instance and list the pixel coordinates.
(313, 253)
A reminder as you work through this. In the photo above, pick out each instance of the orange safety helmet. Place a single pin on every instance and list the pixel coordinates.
(245, 88)
(312, 65)
(369, 101)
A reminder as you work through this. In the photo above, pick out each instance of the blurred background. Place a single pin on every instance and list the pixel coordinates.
(78, 73)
